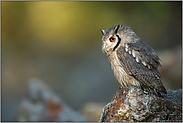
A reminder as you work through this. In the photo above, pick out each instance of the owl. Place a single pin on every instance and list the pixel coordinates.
(132, 61)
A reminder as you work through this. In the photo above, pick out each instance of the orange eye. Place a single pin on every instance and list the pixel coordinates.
(112, 39)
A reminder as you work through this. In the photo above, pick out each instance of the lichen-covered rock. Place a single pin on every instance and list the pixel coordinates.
(134, 105)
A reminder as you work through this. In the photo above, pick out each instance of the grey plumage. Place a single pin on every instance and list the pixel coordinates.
(133, 62)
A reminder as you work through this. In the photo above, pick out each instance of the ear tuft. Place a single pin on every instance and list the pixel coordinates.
(116, 28)
(103, 31)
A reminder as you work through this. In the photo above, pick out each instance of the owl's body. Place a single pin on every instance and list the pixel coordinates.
(133, 62)
(123, 78)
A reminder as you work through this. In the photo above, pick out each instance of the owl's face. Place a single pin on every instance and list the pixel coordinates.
(110, 40)
(114, 37)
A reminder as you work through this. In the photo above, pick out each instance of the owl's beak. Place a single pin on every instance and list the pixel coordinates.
(103, 31)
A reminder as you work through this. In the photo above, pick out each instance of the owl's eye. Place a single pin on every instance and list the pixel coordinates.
(112, 39)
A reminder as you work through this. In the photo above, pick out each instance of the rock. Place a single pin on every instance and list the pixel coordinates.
(134, 105)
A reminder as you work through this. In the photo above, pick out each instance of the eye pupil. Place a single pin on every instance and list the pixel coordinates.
(112, 39)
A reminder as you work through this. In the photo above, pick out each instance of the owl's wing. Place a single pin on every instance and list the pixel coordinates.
(140, 61)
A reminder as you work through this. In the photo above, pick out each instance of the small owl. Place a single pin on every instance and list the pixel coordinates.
(132, 61)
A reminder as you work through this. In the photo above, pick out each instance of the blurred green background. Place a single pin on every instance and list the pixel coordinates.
(60, 43)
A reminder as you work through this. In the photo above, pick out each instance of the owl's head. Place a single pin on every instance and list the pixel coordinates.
(115, 37)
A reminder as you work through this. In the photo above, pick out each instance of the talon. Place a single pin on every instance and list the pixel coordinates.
(132, 117)
(145, 92)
